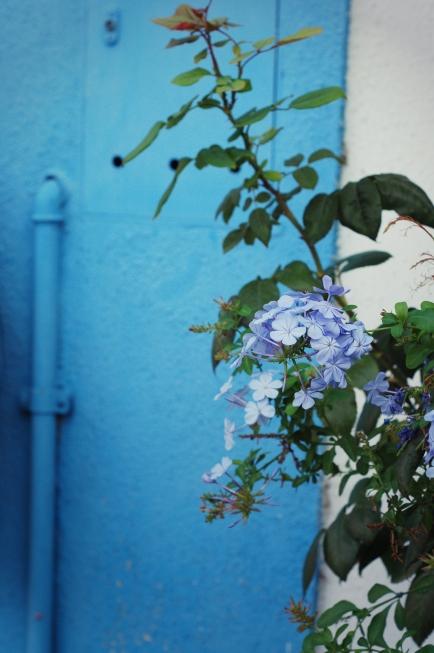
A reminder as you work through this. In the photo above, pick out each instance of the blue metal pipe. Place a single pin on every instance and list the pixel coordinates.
(44, 401)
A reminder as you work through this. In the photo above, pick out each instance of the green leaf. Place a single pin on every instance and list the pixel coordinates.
(232, 239)
(419, 613)
(187, 39)
(400, 194)
(376, 628)
(190, 77)
(294, 160)
(260, 224)
(300, 35)
(368, 418)
(306, 177)
(340, 549)
(423, 319)
(297, 276)
(252, 116)
(202, 54)
(324, 153)
(145, 143)
(262, 197)
(363, 371)
(416, 354)
(339, 410)
(428, 648)
(377, 591)
(401, 310)
(319, 215)
(406, 464)
(399, 616)
(358, 523)
(263, 43)
(360, 207)
(182, 164)
(364, 259)
(229, 204)
(269, 135)
(176, 118)
(214, 156)
(310, 561)
(318, 98)
(258, 292)
(273, 175)
(335, 613)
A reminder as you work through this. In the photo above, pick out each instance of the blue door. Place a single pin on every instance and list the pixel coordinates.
(138, 570)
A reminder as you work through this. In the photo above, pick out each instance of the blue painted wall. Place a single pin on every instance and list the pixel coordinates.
(138, 570)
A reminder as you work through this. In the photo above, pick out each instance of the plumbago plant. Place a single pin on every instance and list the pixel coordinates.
(298, 353)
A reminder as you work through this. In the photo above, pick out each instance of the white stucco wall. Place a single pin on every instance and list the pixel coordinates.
(389, 128)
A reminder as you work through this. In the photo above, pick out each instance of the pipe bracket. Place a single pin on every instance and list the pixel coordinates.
(47, 401)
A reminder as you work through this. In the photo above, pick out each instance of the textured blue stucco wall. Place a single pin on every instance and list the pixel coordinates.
(137, 568)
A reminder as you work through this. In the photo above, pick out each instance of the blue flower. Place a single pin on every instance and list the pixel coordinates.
(376, 387)
(327, 348)
(330, 288)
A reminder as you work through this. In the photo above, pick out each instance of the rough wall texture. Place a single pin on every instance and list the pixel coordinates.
(389, 127)
(137, 568)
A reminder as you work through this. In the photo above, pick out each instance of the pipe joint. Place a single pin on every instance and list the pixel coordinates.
(50, 200)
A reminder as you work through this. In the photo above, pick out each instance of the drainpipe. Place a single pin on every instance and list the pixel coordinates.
(45, 401)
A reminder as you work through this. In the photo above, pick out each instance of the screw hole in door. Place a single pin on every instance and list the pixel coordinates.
(117, 161)
(173, 164)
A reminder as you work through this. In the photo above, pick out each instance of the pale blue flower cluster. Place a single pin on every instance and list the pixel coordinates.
(389, 401)
(319, 328)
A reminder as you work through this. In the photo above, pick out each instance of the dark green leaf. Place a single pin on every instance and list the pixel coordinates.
(324, 153)
(422, 319)
(416, 354)
(190, 77)
(310, 561)
(258, 292)
(229, 204)
(377, 591)
(259, 222)
(317, 98)
(335, 613)
(319, 215)
(297, 276)
(232, 239)
(362, 260)
(406, 464)
(294, 160)
(363, 371)
(358, 493)
(358, 523)
(360, 207)
(339, 410)
(376, 628)
(182, 164)
(214, 156)
(400, 194)
(145, 143)
(340, 549)
(399, 616)
(419, 613)
(262, 197)
(306, 177)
